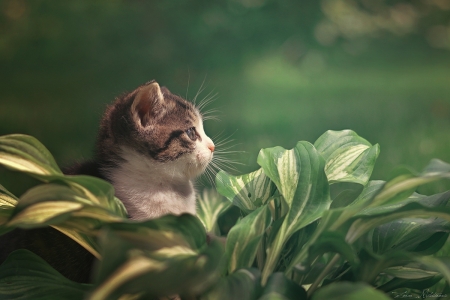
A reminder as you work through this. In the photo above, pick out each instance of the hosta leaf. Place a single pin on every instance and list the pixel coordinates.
(24, 153)
(244, 238)
(428, 201)
(335, 219)
(406, 234)
(344, 193)
(435, 170)
(97, 191)
(244, 284)
(248, 191)
(362, 224)
(6, 198)
(342, 219)
(411, 271)
(7, 203)
(279, 287)
(299, 176)
(134, 268)
(210, 206)
(51, 204)
(44, 213)
(349, 157)
(168, 231)
(334, 242)
(25, 275)
(349, 291)
(373, 264)
(440, 264)
(414, 284)
(88, 242)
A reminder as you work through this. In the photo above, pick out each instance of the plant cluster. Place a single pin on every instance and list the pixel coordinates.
(313, 226)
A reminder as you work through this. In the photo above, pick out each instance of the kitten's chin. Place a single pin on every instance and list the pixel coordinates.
(197, 168)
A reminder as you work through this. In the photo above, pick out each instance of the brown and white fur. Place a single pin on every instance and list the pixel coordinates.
(151, 146)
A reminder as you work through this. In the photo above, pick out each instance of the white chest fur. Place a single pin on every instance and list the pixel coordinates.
(150, 189)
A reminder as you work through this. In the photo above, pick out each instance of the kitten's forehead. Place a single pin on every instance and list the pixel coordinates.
(184, 110)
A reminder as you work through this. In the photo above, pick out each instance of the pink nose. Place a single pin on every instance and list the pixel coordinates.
(211, 147)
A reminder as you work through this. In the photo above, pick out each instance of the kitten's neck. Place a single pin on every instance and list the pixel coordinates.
(150, 189)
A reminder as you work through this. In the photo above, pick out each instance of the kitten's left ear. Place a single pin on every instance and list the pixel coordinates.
(148, 103)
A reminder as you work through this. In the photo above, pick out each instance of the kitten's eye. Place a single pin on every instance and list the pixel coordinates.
(191, 133)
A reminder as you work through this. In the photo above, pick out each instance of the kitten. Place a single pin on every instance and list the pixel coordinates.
(151, 145)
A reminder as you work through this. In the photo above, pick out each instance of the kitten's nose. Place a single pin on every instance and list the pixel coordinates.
(211, 147)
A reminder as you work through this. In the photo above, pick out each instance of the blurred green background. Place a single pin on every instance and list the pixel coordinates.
(283, 71)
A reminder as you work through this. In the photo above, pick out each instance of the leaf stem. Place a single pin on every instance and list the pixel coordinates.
(323, 274)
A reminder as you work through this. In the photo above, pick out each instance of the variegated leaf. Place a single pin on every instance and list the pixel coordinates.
(299, 176)
(7, 203)
(6, 198)
(349, 158)
(141, 264)
(244, 284)
(26, 276)
(210, 206)
(248, 191)
(244, 238)
(24, 153)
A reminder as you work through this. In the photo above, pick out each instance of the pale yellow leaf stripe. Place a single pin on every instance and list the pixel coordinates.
(133, 268)
(6, 200)
(335, 167)
(44, 211)
(288, 173)
(77, 237)
(23, 165)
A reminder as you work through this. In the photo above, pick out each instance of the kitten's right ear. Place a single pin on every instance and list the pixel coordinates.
(147, 103)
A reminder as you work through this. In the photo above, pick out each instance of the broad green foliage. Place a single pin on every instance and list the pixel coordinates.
(299, 176)
(244, 238)
(246, 191)
(210, 206)
(312, 226)
(25, 275)
(349, 158)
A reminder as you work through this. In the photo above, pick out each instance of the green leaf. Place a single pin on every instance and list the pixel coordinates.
(348, 291)
(248, 191)
(362, 224)
(434, 171)
(167, 231)
(334, 242)
(6, 198)
(299, 176)
(25, 275)
(349, 157)
(410, 271)
(137, 267)
(344, 193)
(52, 204)
(406, 234)
(244, 284)
(7, 204)
(373, 264)
(440, 264)
(210, 207)
(24, 153)
(279, 287)
(244, 238)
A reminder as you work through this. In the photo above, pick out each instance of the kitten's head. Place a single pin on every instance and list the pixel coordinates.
(157, 125)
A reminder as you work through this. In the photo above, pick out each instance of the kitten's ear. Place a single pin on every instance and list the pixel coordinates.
(147, 103)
